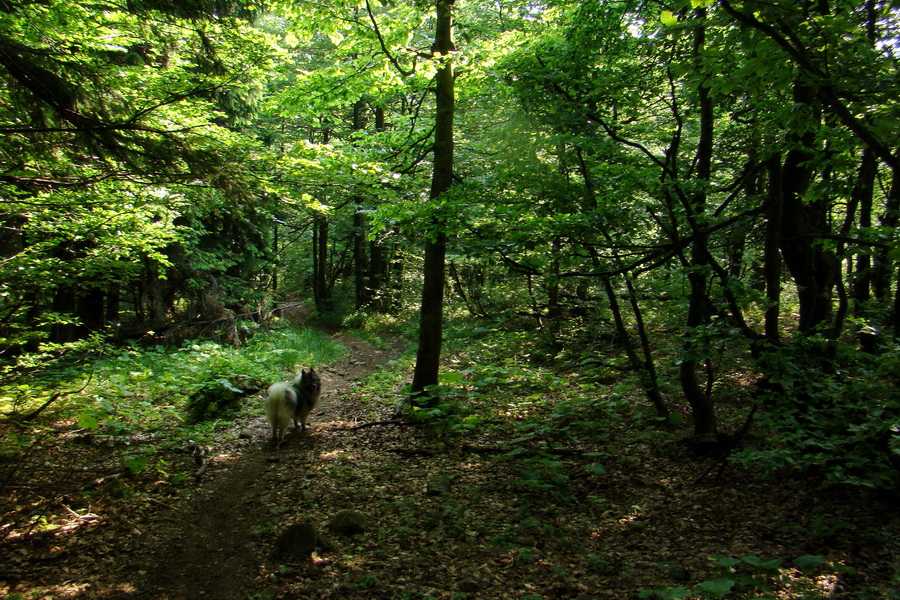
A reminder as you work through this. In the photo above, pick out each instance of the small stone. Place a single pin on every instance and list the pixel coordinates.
(348, 522)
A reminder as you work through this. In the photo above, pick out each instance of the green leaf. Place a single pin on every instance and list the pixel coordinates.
(809, 562)
(230, 386)
(135, 462)
(452, 377)
(668, 18)
(673, 593)
(717, 588)
(763, 565)
(596, 469)
(88, 421)
(720, 560)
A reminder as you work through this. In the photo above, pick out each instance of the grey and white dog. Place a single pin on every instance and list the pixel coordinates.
(292, 401)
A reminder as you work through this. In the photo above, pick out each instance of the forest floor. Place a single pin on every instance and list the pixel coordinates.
(451, 516)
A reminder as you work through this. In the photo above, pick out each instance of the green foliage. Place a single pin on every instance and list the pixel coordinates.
(835, 413)
(369, 582)
(124, 193)
(161, 388)
(545, 472)
(135, 462)
(753, 578)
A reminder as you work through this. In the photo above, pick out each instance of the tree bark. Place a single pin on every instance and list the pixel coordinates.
(701, 402)
(431, 313)
(321, 290)
(862, 201)
(772, 254)
(360, 266)
(812, 268)
(645, 368)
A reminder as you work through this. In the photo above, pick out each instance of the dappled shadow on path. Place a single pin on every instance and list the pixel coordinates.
(216, 542)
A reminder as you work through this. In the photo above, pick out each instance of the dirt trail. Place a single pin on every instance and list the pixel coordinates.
(211, 545)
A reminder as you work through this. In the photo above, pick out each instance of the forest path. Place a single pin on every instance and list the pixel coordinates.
(212, 544)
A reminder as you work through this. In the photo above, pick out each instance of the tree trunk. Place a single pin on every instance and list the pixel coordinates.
(360, 266)
(862, 199)
(378, 274)
(645, 368)
(700, 400)
(812, 268)
(771, 253)
(554, 309)
(360, 261)
(431, 313)
(275, 260)
(321, 290)
(886, 271)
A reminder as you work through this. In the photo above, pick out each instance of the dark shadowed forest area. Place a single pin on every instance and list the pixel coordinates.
(603, 297)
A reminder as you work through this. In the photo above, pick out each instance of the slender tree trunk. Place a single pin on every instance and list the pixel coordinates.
(772, 254)
(886, 270)
(862, 200)
(360, 266)
(360, 261)
(701, 402)
(378, 274)
(321, 290)
(431, 313)
(275, 262)
(554, 309)
(646, 368)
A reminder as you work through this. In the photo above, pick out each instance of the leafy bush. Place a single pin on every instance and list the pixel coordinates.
(838, 417)
(149, 388)
(753, 577)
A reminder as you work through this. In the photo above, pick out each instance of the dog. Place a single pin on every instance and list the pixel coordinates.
(292, 401)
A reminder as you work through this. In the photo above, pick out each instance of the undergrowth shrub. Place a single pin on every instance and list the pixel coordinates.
(754, 578)
(836, 414)
(139, 388)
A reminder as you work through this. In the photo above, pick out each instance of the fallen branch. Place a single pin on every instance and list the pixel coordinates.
(375, 423)
(523, 450)
(32, 415)
(94, 484)
(411, 451)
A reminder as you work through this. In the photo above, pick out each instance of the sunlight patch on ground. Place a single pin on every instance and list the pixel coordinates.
(227, 456)
(827, 584)
(339, 454)
(55, 526)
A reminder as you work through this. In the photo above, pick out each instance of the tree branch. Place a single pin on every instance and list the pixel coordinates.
(384, 48)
